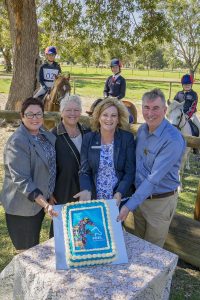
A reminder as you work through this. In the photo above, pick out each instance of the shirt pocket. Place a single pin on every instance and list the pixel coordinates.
(149, 159)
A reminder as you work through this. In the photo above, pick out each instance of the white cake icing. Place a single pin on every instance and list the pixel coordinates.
(88, 233)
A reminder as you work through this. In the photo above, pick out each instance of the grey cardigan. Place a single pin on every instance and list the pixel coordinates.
(26, 171)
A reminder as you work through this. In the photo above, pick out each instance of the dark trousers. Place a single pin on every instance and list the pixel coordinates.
(24, 231)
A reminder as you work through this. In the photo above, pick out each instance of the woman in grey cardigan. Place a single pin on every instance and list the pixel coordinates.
(30, 171)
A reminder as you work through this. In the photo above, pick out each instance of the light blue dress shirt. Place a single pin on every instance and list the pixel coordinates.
(158, 160)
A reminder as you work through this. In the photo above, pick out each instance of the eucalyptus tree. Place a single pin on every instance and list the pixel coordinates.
(184, 19)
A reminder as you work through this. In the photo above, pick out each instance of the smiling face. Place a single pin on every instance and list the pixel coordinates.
(109, 119)
(153, 112)
(187, 87)
(71, 114)
(33, 118)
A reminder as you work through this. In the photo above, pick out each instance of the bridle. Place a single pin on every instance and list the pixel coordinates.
(178, 125)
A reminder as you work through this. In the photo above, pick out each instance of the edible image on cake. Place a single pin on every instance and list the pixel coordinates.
(89, 229)
(88, 233)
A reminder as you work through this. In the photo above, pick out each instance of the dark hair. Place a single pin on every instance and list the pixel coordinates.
(31, 101)
(93, 106)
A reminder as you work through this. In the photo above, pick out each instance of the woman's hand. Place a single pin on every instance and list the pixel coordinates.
(52, 200)
(48, 208)
(50, 211)
(118, 198)
(123, 214)
(83, 195)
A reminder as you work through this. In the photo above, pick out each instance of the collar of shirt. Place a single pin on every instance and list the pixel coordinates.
(114, 78)
(158, 131)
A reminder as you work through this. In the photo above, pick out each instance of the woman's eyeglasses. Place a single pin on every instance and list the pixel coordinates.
(30, 115)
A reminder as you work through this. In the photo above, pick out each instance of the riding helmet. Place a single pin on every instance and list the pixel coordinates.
(187, 79)
(51, 50)
(115, 62)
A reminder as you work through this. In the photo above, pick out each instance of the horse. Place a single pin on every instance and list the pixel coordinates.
(59, 90)
(129, 105)
(176, 116)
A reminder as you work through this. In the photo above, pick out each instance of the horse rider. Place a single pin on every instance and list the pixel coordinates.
(115, 85)
(48, 71)
(190, 99)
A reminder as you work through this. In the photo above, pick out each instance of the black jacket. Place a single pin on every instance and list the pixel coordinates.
(68, 162)
(115, 88)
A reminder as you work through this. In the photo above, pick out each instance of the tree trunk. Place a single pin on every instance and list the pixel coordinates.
(24, 36)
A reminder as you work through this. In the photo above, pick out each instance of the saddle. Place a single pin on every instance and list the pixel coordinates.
(194, 128)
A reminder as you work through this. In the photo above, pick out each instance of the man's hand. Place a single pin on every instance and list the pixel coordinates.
(118, 198)
(83, 196)
(123, 214)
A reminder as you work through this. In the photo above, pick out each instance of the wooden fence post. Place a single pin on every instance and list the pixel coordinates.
(74, 87)
(197, 205)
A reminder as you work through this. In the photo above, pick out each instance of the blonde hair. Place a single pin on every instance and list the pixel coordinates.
(72, 98)
(108, 102)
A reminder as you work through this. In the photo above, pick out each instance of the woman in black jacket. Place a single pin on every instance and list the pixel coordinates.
(69, 134)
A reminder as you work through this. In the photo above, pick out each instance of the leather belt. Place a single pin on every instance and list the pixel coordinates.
(164, 195)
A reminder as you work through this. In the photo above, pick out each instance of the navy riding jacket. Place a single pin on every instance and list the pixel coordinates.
(190, 99)
(115, 87)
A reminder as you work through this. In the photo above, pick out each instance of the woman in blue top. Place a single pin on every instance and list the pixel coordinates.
(107, 155)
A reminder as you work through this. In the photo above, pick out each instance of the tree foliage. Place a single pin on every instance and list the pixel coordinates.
(184, 19)
(5, 41)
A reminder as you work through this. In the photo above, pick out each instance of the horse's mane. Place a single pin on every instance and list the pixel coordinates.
(57, 87)
(173, 105)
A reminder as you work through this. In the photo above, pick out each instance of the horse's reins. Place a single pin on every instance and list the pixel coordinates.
(178, 126)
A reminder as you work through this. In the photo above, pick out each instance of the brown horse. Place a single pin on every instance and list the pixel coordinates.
(129, 105)
(61, 88)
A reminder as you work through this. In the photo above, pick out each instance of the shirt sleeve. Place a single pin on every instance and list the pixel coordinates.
(41, 77)
(122, 90)
(179, 97)
(164, 161)
(106, 88)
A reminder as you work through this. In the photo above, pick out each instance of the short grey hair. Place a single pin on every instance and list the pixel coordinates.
(72, 98)
(153, 95)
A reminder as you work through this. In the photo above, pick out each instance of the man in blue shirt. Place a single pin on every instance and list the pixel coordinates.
(159, 151)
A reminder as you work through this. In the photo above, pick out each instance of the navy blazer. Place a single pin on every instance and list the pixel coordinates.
(124, 162)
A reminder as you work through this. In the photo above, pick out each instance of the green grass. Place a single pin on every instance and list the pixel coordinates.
(4, 85)
(135, 90)
(186, 285)
(186, 282)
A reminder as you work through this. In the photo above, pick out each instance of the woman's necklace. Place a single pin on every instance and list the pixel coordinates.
(73, 136)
